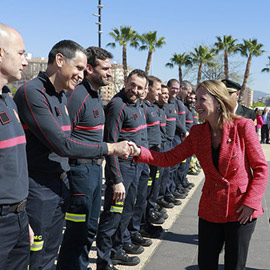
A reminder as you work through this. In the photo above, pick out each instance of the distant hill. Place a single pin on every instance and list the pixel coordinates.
(259, 94)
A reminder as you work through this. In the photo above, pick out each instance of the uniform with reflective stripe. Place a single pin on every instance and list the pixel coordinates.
(14, 182)
(44, 112)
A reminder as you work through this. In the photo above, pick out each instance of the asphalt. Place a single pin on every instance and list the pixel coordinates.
(178, 246)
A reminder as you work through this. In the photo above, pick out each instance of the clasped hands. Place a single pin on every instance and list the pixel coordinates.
(125, 149)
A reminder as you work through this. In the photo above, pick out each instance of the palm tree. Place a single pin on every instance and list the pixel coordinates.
(248, 49)
(150, 42)
(202, 55)
(267, 69)
(180, 60)
(226, 44)
(126, 35)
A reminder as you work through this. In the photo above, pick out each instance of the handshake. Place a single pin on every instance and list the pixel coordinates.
(124, 149)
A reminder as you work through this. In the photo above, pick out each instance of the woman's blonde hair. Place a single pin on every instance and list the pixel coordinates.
(219, 91)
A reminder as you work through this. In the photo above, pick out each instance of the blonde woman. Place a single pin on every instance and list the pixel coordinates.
(236, 174)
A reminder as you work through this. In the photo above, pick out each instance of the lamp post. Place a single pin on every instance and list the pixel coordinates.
(99, 22)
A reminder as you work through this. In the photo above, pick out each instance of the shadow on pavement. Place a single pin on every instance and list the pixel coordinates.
(183, 238)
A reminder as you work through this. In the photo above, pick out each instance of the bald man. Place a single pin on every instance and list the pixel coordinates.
(14, 234)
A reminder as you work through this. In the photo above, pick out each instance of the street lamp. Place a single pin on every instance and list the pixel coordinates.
(99, 22)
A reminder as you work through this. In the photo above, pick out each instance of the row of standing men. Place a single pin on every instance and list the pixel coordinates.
(44, 135)
(66, 135)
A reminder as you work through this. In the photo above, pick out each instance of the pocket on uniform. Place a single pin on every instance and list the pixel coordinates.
(77, 209)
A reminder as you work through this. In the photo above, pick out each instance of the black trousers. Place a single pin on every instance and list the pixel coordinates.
(265, 134)
(14, 243)
(235, 237)
(46, 206)
(85, 182)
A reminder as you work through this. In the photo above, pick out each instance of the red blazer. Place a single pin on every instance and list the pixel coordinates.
(242, 175)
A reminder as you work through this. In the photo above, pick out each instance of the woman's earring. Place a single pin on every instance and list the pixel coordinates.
(219, 109)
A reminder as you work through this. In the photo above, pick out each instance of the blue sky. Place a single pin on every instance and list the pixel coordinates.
(185, 24)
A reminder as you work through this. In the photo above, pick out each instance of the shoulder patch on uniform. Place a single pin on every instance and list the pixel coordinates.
(4, 118)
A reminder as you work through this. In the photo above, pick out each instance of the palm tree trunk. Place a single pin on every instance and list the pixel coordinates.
(199, 73)
(148, 62)
(180, 73)
(125, 61)
(226, 65)
(243, 88)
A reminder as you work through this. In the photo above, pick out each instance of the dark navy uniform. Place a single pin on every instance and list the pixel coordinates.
(143, 173)
(180, 130)
(14, 234)
(162, 124)
(154, 140)
(245, 112)
(47, 127)
(171, 116)
(181, 119)
(181, 177)
(85, 178)
(189, 119)
(122, 123)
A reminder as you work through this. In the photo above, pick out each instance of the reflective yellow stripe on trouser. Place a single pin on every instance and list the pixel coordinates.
(37, 246)
(117, 207)
(150, 181)
(75, 217)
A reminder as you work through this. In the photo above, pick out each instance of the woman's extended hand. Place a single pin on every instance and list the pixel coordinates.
(135, 151)
(246, 214)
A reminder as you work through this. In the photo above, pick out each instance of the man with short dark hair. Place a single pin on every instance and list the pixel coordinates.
(14, 234)
(43, 112)
(85, 177)
(123, 122)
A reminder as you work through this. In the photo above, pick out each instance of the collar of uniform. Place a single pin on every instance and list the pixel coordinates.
(90, 88)
(148, 103)
(159, 105)
(48, 84)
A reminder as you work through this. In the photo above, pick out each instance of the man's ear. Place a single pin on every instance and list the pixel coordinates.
(59, 59)
(125, 81)
(89, 69)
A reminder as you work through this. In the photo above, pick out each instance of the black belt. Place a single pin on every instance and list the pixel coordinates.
(93, 161)
(13, 208)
